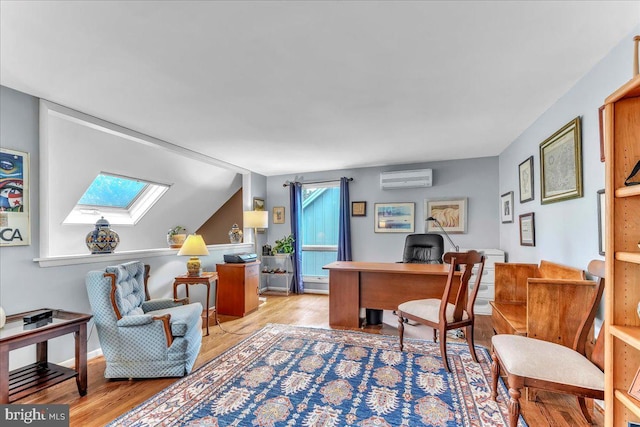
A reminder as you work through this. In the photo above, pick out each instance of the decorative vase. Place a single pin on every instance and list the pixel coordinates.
(102, 240)
(235, 234)
(3, 317)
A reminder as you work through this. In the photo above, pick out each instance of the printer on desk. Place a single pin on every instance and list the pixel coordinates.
(239, 258)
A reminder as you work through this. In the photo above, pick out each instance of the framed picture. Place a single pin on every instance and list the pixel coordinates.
(278, 215)
(15, 227)
(527, 230)
(506, 207)
(634, 390)
(601, 219)
(394, 217)
(525, 173)
(561, 164)
(358, 208)
(258, 205)
(450, 213)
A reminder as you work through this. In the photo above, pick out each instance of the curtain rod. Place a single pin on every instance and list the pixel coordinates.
(286, 184)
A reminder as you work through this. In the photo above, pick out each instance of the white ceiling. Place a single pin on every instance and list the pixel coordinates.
(293, 87)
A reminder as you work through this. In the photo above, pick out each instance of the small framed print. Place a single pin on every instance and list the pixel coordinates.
(525, 173)
(527, 229)
(358, 208)
(634, 390)
(506, 207)
(278, 215)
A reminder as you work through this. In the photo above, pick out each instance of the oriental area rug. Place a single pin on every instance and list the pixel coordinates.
(293, 376)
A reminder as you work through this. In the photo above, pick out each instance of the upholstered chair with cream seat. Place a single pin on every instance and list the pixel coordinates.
(455, 309)
(140, 337)
(529, 362)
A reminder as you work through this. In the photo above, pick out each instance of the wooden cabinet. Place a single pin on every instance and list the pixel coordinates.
(238, 288)
(622, 345)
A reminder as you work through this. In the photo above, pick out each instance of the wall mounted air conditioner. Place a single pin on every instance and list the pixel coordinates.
(406, 179)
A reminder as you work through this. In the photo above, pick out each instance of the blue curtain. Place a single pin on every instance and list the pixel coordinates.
(344, 227)
(295, 201)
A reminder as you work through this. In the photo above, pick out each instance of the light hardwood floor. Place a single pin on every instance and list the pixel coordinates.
(107, 399)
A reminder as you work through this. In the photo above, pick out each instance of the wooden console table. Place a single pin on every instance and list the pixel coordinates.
(26, 380)
(204, 279)
(380, 285)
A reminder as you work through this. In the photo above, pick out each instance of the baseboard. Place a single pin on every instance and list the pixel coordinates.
(71, 363)
(317, 291)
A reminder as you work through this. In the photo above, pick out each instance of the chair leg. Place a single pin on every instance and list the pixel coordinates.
(401, 330)
(495, 374)
(435, 335)
(514, 407)
(472, 348)
(584, 409)
(443, 348)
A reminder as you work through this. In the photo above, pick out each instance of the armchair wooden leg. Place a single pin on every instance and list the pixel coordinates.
(435, 335)
(472, 348)
(584, 409)
(514, 407)
(401, 330)
(443, 348)
(495, 374)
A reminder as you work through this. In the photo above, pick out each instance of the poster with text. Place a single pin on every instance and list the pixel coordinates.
(14, 198)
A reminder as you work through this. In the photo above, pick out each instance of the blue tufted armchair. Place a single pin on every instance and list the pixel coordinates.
(142, 338)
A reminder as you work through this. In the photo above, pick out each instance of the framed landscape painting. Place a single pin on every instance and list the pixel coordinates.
(450, 213)
(394, 217)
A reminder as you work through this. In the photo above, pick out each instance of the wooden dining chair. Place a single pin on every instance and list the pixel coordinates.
(530, 362)
(446, 313)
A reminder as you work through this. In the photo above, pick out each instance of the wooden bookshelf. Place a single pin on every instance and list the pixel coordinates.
(622, 323)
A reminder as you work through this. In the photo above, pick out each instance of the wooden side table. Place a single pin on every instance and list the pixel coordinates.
(204, 279)
(41, 374)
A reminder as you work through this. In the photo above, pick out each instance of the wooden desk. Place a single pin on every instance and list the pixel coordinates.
(42, 374)
(205, 279)
(380, 285)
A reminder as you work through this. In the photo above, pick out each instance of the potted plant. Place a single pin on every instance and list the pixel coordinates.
(176, 237)
(284, 245)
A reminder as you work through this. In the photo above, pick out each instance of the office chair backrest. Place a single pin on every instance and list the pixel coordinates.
(423, 249)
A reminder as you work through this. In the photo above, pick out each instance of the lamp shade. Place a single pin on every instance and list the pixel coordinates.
(194, 246)
(256, 219)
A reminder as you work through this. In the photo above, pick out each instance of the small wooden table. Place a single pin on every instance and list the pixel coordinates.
(204, 279)
(26, 380)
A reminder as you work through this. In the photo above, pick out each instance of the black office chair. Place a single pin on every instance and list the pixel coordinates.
(423, 249)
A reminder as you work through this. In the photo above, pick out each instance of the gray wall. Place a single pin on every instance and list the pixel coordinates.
(566, 232)
(24, 285)
(476, 179)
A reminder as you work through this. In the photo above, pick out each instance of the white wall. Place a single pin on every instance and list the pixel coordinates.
(567, 231)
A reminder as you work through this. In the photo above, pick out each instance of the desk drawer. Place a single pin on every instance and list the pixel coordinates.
(482, 306)
(488, 276)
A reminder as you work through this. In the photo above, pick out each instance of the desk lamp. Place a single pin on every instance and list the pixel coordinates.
(456, 247)
(193, 246)
(255, 220)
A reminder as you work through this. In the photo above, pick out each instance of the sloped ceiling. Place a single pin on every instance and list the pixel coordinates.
(294, 86)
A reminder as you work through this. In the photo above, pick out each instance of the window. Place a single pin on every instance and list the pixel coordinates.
(124, 200)
(320, 218)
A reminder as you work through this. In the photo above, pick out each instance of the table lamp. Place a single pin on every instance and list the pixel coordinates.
(456, 247)
(255, 220)
(193, 246)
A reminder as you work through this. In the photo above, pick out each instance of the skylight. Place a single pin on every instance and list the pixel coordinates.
(121, 200)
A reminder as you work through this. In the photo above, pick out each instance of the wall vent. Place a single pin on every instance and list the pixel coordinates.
(406, 179)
